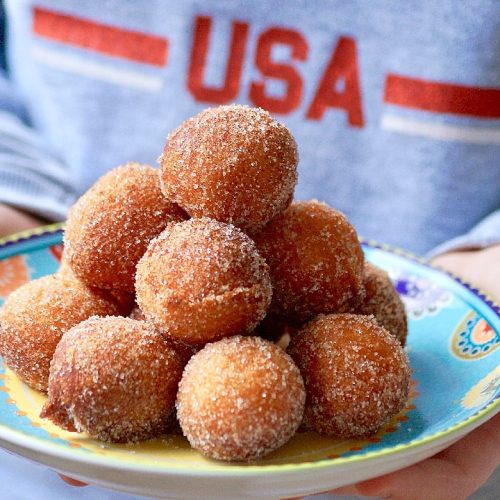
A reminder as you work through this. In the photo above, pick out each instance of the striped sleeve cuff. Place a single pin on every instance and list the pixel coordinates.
(34, 194)
(31, 177)
(483, 235)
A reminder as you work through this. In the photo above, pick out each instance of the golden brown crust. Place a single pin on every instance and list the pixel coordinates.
(111, 225)
(36, 315)
(124, 300)
(240, 398)
(202, 280)
(185, 351)
(114, 378)
(232, 163)
(315, 260)
(383, 301)
(356, 374)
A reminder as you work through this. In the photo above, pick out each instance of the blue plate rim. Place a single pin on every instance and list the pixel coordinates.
(472, 421)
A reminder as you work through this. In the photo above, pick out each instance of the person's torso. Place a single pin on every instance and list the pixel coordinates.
(393, 104)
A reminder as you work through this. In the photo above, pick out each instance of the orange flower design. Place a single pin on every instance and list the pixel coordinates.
(482, 333)
(13, 274)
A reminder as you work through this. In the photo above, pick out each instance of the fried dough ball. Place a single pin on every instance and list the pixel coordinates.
(383, 301)
(35, 317)
(240, 398)
(111, 225)
(114, 378)
(232, 163)
(315, 260)
(356, 374)
(202, 280)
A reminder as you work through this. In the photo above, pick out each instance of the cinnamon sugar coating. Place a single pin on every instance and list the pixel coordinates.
(240, 398)
(356, 374)
(35, 317)
(202, 280)
(204, 292)
(185, 351)
(382, 300)
(232, 163)
(315, 260)
(111, 225)
(124, 300)
(114, 378)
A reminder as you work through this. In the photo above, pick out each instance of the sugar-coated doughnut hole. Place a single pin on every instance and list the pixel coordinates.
(382, 300)
(111, 225)
(202, 280)
(315, 260)
(204, 291)
(356, 374)
(232, 163)
(114, 378)
(240, 398)
(35, 317)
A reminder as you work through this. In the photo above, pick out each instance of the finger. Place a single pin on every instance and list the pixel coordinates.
(346, 490)
(72, 482)
(452, 474)
(417, 482)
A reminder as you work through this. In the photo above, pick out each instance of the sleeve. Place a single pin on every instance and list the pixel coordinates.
(31, 177)
(484, 234)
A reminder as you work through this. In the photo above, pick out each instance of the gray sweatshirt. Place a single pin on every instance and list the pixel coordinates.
(395, 105)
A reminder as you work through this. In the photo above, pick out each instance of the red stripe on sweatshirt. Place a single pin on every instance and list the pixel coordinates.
(441, 97)
(101, 38)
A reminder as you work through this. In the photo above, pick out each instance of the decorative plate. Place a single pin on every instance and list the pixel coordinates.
(454, 352)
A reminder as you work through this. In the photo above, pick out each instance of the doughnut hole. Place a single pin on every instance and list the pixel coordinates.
(202, 280)
(382, 300)
(315, 261)
(356, 374)
(35, 317)
(111, 225)
(114, 378)
(240, 399)
(232, 163)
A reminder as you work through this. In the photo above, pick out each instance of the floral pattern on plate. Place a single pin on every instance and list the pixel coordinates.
(474, 338)
(421, 297)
